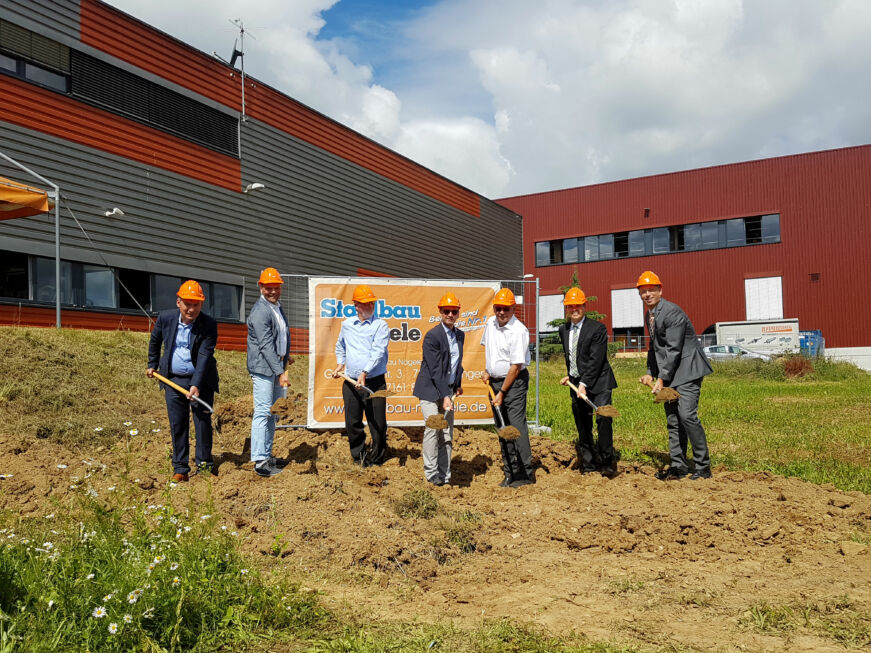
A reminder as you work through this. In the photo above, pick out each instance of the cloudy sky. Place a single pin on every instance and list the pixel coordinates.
(509, 97)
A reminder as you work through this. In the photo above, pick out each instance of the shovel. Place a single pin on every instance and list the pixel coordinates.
(372, 393)
(602, 411)
(664, 395)
(176, 386)
(439, 422)
(505, 432)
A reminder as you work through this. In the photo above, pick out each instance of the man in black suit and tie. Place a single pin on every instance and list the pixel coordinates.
(585, 343)
(440, 377)
(188, 337)
(675, 359)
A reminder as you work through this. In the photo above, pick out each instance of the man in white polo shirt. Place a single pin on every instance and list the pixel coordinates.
(506, 350)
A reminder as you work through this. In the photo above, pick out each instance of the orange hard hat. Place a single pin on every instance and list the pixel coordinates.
(192, 291)
(364, 295)
(648, 278)
(574, 296)
(449, 300)
(504, 298)
(270, 275)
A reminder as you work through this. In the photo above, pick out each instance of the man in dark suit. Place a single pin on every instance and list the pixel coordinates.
(440, 377)
(188, 337)
(585, 344)
(675, 359)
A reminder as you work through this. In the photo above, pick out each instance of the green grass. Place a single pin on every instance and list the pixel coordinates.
(835, 619)
(113, 576)
(814, 428)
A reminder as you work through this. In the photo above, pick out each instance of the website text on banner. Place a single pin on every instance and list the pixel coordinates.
(410, 308)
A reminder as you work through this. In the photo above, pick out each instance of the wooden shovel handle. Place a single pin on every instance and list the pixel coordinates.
(584, 397)
(354, 381)
(496, 414)
(176, 386)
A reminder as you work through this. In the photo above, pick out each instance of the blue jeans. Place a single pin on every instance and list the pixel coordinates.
(267, 391)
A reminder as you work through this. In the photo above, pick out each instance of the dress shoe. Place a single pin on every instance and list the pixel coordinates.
(588, 470)
(179, 478)
(505, 482)
(608, 471)
(206, 468)
(435, 481)
(700, 474)
(671, 474)
(521, 482)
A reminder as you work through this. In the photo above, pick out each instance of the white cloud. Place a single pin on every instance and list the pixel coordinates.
(515, 96)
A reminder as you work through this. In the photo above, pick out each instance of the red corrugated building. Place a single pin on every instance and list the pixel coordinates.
(785, 237)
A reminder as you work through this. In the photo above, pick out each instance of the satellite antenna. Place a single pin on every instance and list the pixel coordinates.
(238, 53)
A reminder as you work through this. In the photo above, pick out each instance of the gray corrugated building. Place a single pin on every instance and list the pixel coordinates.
(119, 114)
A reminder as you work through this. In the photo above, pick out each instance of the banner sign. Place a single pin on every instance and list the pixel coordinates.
(410, 308)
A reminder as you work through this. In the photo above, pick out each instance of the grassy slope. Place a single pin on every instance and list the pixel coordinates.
(63, 384)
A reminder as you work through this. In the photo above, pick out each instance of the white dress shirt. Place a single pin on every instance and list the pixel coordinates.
(505, 346)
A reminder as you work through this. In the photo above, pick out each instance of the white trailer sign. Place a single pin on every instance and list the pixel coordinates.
(763, 336)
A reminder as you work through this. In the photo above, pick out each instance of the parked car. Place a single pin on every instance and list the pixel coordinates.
(731, 352)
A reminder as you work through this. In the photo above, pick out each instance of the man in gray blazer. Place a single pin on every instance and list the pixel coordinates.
(675, 359)
(268, 357)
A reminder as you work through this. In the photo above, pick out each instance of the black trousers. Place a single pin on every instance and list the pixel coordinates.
(376, 417)
(516, 454)
(179, 409)
(590, 455)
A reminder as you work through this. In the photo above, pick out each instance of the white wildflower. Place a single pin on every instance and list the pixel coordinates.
(176, 581)
(89, 576)
(99, 612)
(98, 429)
(61, 466)
(173, 566)
(134, 431)
(128, 619)
(128, 423)
(113, 628)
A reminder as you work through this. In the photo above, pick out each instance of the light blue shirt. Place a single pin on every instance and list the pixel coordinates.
(362, 346)
(455, 352)
(181, 350)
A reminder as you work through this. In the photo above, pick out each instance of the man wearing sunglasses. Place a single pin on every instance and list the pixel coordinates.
(506, 350)
(439, 379)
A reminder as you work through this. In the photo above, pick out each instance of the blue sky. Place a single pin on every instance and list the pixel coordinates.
(514, 96)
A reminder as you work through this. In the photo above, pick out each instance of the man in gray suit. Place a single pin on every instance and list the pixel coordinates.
(268, 358)
(676, 360)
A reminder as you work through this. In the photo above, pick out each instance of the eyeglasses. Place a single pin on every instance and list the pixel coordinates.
(501, 309)
(451, 311)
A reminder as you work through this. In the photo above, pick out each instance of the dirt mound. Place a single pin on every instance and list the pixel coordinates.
(634, 559)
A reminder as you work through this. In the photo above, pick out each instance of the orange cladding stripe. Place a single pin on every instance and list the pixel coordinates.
(231, 337)
(29, 106)
(130, 40)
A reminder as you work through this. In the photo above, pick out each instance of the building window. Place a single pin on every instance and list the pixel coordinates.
(9, 64)
(542, 253)
(710, 235)
(692, 237)
(44, 278)
(621, 245)
(606, 247)
(164, 291)
(591, 248)
(770, 225)
(99, 287)
(660, 241)
(13, 276)
(676, 238)
(45, 77)
(736, 232)
(570, 250)
(223, 301)
(138, 284)
(636, 243)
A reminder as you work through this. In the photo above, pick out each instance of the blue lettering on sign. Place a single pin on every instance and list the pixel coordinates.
(336, 308)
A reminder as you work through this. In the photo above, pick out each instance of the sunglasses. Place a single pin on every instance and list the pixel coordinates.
(501, 309)
(451, 311)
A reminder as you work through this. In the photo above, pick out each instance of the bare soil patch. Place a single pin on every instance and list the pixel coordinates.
(632, 559)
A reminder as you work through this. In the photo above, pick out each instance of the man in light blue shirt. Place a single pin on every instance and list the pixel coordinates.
(361, 353)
